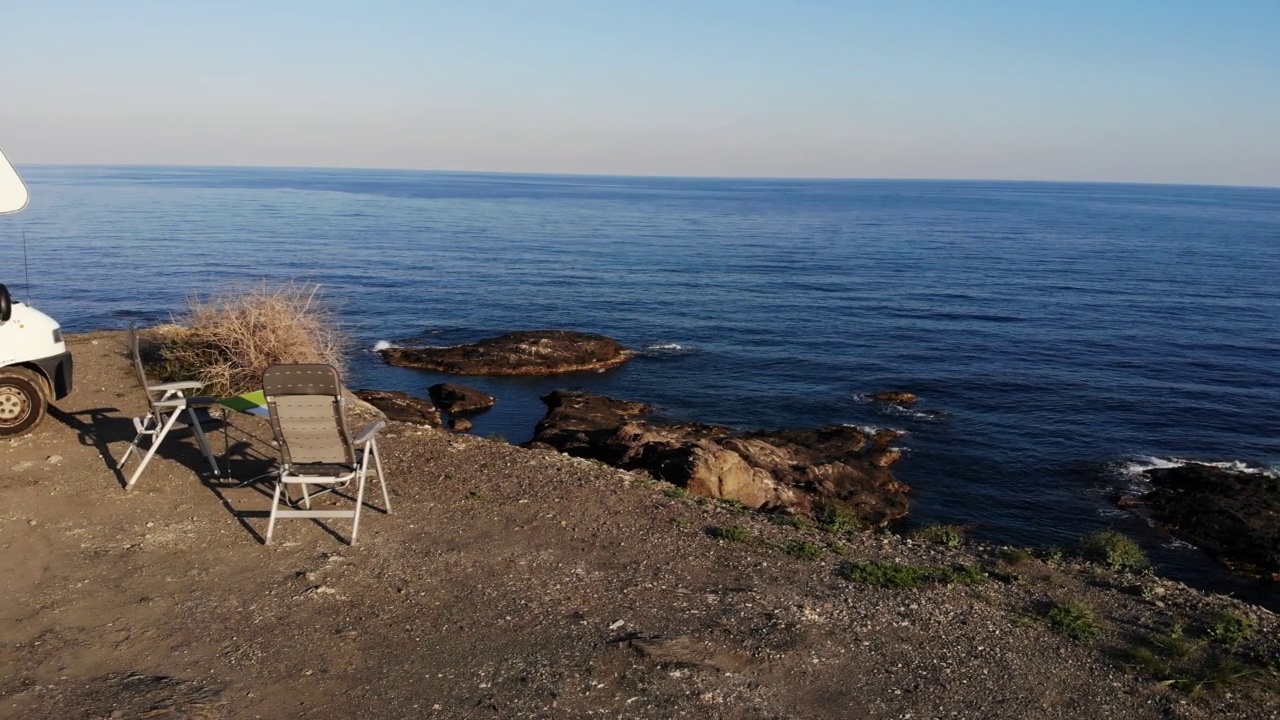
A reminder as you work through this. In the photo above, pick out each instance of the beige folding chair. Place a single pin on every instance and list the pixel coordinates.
(166, 403)
(307, 416)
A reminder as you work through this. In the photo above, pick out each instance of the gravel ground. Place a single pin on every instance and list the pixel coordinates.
(512, 583)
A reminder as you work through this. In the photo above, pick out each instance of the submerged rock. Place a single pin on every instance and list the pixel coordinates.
(402, 407)
(779, 469)
(896, 397)
(533, 352)
(460, 399)
(1233, 515)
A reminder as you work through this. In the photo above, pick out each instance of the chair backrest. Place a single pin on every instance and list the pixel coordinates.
(138, 370)
(305, 403)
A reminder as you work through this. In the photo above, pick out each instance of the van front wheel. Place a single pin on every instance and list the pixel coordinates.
(23, 403)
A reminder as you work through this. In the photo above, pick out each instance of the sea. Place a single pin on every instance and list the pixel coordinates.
(1061, 337)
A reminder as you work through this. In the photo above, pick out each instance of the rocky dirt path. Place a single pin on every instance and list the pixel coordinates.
(515, 583)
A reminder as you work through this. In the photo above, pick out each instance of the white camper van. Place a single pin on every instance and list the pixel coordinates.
(35, 366)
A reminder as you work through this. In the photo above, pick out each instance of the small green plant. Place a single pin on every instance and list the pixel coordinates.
(794, 521)
(735, 533)
(675, 493)
(732, 504)
(1114, 550)
(1016, 556)
(1230, 628)
(887, 574)
(1072, 619)
(1052, 555)
(835, 517)
(803, 550)
(951, 536)
(967, 575)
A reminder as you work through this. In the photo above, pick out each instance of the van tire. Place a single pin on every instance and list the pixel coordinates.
(24, 401)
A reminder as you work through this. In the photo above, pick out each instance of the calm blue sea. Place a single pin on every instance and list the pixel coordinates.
(1064, 333)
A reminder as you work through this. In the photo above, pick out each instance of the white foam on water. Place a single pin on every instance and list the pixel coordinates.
(872, 429)
(666, 349)
(1137, 466)
(382, 345)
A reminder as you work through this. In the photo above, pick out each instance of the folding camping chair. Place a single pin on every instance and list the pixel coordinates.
(166, 403)
(306, 407)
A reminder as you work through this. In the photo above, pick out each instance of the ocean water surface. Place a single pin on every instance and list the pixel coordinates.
(1060, 335)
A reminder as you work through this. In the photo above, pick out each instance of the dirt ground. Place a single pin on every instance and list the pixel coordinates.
(512, 583)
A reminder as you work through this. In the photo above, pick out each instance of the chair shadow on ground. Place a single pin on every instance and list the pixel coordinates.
(101, 428)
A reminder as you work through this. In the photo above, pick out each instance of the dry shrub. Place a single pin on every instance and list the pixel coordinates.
(229, 340)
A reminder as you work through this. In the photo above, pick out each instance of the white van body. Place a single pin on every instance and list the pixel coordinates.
(35, 367)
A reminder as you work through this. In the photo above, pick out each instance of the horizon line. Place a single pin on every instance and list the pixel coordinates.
(655, 176)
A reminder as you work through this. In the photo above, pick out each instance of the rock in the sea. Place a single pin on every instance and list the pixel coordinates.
(402, 407)
(1231, 514)
(896, 397)
(460, 399)
(533, 352)
(460, 424)
(781, 469)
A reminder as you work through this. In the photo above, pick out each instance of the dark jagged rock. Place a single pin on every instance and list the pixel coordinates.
(533, 352)
(402, 407)
(460, 399)
(779, 469)
(1230, 514)
(896, 397)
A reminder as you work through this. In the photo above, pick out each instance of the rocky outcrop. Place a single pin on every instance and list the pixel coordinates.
(534, 352)
(779, 469)
(1231, 514)
(896, 397)
(460, 399)
(402, 407)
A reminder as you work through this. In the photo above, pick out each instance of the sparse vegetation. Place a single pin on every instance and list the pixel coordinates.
(1230, 628)
(835, 517)
(735, 533)
(1114, 550)
(804, 550)
(1191, 664)
(886, 574)
(951, 536)
(794, 521)
(904, 576)
(1072, 618)
(227, 341)
(1016, 556)
(675, 493)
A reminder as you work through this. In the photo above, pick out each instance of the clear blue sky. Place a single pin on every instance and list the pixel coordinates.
(1162, 91)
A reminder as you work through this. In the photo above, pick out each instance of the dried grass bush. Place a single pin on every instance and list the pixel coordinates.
(227, 341)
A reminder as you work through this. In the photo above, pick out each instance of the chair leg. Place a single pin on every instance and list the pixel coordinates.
(203, 441)
(141, 425)
(156, 439)
(275, 505)
(355, 522)
(382, 480)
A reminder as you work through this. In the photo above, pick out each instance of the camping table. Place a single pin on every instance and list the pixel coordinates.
(251, 403)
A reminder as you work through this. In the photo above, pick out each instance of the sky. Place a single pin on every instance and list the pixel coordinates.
(1125, 90)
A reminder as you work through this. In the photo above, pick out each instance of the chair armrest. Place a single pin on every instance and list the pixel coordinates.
(180, 385)
(182, 402)
(367, 434)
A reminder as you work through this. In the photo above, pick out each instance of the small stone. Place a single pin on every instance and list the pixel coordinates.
(33, 523)
(53, 459)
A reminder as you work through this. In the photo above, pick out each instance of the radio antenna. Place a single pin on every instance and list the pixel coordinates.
(26, 266)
